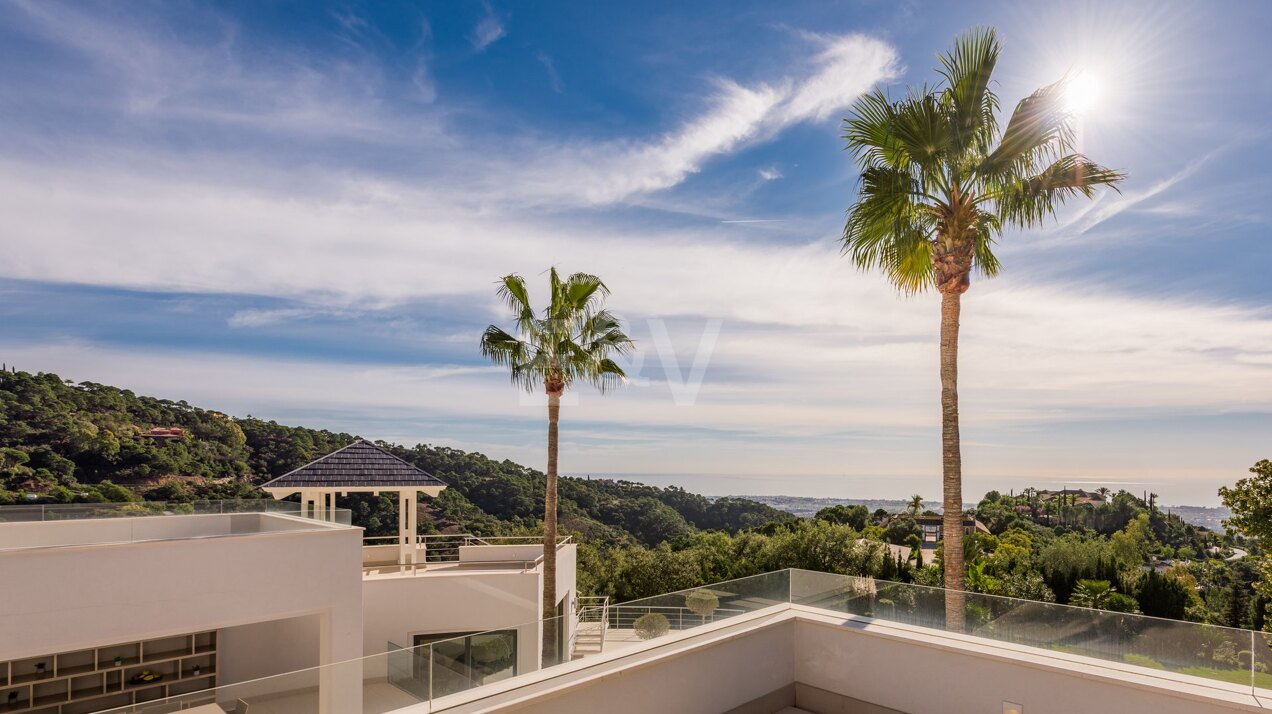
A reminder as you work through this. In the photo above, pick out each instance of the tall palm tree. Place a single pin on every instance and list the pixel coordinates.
(572, 340)
(916, 504)
(940, 181)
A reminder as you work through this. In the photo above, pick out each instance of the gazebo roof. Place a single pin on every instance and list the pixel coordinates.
(358, 466)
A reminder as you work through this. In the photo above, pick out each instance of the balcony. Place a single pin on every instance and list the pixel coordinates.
(817, 641)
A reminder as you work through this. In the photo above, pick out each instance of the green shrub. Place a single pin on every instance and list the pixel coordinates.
(702, 602)
(651, 625)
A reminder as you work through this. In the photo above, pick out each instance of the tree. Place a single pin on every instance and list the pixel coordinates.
(1250, 501)
(1161, 596)
(573, 340)
(939, 183)
(916, 504)
(1092, 593)
(899, 530)
(855, 516)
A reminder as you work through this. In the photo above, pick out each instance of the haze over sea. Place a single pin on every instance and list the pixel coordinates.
(899, 487)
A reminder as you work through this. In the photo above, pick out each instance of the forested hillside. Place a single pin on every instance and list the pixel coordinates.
(67, 442)
(64, 442)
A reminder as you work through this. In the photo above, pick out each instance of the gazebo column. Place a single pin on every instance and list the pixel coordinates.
(408, 524)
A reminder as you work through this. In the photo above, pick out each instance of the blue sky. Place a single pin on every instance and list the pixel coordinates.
(298, 211)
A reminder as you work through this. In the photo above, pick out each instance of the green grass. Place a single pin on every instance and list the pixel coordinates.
(1143, 661)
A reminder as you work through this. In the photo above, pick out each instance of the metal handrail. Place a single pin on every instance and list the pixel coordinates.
(415, 568)
(679, 618)
(592, 608)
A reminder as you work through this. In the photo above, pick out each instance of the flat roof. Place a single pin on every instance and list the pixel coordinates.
(30, 535)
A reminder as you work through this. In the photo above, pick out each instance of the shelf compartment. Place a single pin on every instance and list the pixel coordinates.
(205, 642)
(87, 685)
(28, 670)
(72, 663)
(21, 701)
(129, 655)
(191, 684)
(97, 704)
(168, 669)
(46, 693)
(166, 648)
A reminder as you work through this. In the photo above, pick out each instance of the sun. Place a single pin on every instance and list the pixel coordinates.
(1082, 92)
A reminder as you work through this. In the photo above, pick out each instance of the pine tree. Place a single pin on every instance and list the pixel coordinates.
(1237, 613)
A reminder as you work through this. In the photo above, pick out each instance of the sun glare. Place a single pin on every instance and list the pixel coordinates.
(1082, 92)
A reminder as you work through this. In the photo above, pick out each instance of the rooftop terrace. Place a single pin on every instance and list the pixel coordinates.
(820, 641)
(68, 525)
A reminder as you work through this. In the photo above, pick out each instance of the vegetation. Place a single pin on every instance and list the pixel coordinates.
(939, 182)
(702, 603)
(651, 625)
(63, 442)
(1251, 503)
(572, 341)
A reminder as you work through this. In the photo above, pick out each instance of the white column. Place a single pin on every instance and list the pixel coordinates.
(403, 515)
(411, 523)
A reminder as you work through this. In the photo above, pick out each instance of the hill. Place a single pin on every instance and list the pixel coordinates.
(66, 442)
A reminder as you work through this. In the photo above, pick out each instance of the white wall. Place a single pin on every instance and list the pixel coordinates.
(264, 649)
(57, 599)
(708, 679)
(395, 609)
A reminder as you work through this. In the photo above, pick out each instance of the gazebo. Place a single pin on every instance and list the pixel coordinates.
(360, 467)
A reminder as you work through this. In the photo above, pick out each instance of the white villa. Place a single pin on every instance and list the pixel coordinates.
(274, 607)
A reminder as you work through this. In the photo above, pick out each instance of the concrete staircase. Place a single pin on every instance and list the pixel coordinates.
(589, 638)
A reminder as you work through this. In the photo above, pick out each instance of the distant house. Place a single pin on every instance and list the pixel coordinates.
(161, 434)
(930, 528)
(1074, 496)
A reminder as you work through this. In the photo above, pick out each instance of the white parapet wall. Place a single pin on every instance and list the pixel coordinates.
(73, 585)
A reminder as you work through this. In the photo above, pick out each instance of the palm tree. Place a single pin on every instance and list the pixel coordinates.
(1094, 594)
(573, 340)
(916, 504)
(940, 181)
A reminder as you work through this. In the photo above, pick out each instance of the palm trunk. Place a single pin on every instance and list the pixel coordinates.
(550, 534)
(951, 462)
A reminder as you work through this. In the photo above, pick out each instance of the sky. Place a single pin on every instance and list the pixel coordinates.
(299, 211)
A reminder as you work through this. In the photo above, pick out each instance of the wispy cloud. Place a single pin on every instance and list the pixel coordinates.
(1111, 204)
(738, 115)
(770, 173)
(554, 79)
(488, 30)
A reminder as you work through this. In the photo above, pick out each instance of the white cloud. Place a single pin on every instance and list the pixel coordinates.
(489, 29)
(770, 173)
(608, 172)
(143, 69)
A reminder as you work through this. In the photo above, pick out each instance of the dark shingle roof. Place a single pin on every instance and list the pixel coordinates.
(358, 465)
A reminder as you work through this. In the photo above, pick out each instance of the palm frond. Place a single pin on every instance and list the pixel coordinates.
(1030, 201)
(869, 133)
(967, 70)
(1039, 128)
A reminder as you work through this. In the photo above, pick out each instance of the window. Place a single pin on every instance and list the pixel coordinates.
(458, 661)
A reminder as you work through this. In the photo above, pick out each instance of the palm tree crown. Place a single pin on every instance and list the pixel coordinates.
(940, 180)
(572, 340)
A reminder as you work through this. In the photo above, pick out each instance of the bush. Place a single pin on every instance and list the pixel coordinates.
(702, 602)
(651, 625)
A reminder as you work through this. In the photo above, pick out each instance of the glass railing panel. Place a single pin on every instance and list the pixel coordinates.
(1260, 661)
(1189, 648)
(693, 607)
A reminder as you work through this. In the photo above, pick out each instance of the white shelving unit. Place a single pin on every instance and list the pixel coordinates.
(100, 678)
